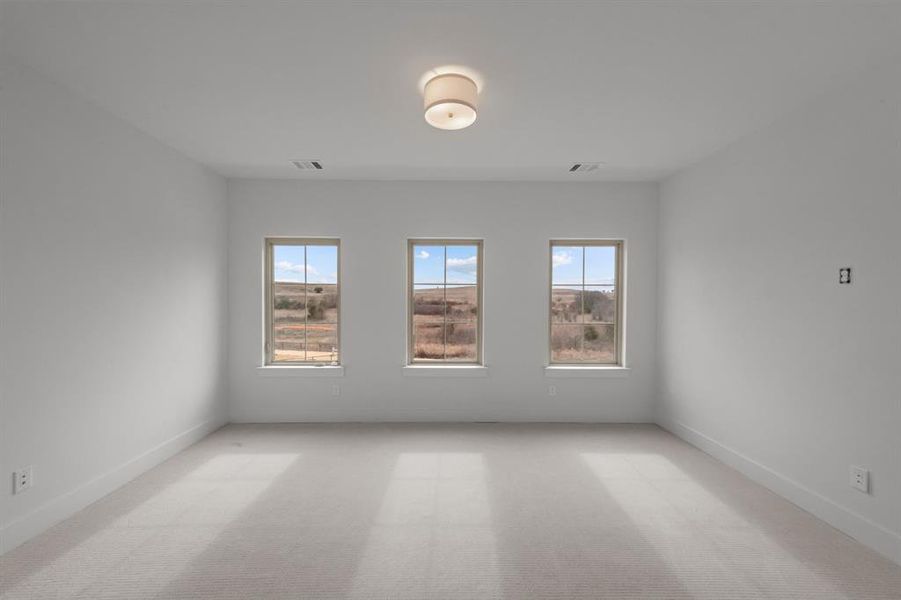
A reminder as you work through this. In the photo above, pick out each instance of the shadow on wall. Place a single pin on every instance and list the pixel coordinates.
(444, 511)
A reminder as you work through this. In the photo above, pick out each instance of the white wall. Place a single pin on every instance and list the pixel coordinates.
(113, 306)
(374, 220)
(764, 359)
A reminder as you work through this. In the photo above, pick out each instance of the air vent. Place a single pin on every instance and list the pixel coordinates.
(585, 167)
(307, 165)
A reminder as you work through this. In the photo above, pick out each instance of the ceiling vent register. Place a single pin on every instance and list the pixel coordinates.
(307, 165)
(585, 167)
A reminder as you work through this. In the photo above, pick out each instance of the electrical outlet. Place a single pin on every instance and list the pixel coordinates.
(844, 275)
(336, 390)
(23, 479)
(860, 479)
(552, 390)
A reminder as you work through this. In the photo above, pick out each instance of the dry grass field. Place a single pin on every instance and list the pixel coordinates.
(445, 322)
(583, 325)
(305, 322)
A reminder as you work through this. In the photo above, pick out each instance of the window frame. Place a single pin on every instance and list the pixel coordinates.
(412, 361)
(268, 298)
(619, 286)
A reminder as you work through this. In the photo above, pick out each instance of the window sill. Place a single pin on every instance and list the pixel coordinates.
(586, 371)
(445, 371)
(301, 371)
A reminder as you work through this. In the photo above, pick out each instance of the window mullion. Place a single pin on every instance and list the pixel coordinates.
(582, 308)
(306, 306)
(444, 328)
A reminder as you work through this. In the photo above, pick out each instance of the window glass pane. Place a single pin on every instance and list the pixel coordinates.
(288, 263)
(599, 344)
(566, 342)
(600, 265)
(566, 304)
(461, 342)
(288, 321)
(428, 304)
(599, 304)
(322, 303)
(428, 340)
(462, 264)
(462, 304)
(566, 265)
(288, 296)
(322, 264)
(322, 342)
(283, 355)
(428, 264)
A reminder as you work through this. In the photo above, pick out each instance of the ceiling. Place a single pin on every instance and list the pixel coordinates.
(646, 87)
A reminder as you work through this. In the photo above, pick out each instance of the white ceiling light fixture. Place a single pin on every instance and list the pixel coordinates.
(451, 101)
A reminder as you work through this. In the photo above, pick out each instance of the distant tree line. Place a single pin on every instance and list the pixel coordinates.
(600, 305)
(316, 303)
(436, 306)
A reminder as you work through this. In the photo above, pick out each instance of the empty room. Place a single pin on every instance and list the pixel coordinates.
(450, 300)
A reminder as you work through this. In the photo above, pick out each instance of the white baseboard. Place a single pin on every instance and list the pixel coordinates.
(52, 512)
(867, 532)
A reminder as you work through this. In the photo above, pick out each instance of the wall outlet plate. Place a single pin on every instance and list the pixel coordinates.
(844, 275)
(860, 479)
(23, 479)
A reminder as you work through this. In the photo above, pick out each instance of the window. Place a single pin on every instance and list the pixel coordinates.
(444, 301)
(586, 302)
(302, 301)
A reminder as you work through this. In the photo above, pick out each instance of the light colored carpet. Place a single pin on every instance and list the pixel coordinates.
(444, 511)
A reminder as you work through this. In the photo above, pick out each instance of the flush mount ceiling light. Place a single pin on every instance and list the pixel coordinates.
(451, 100)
